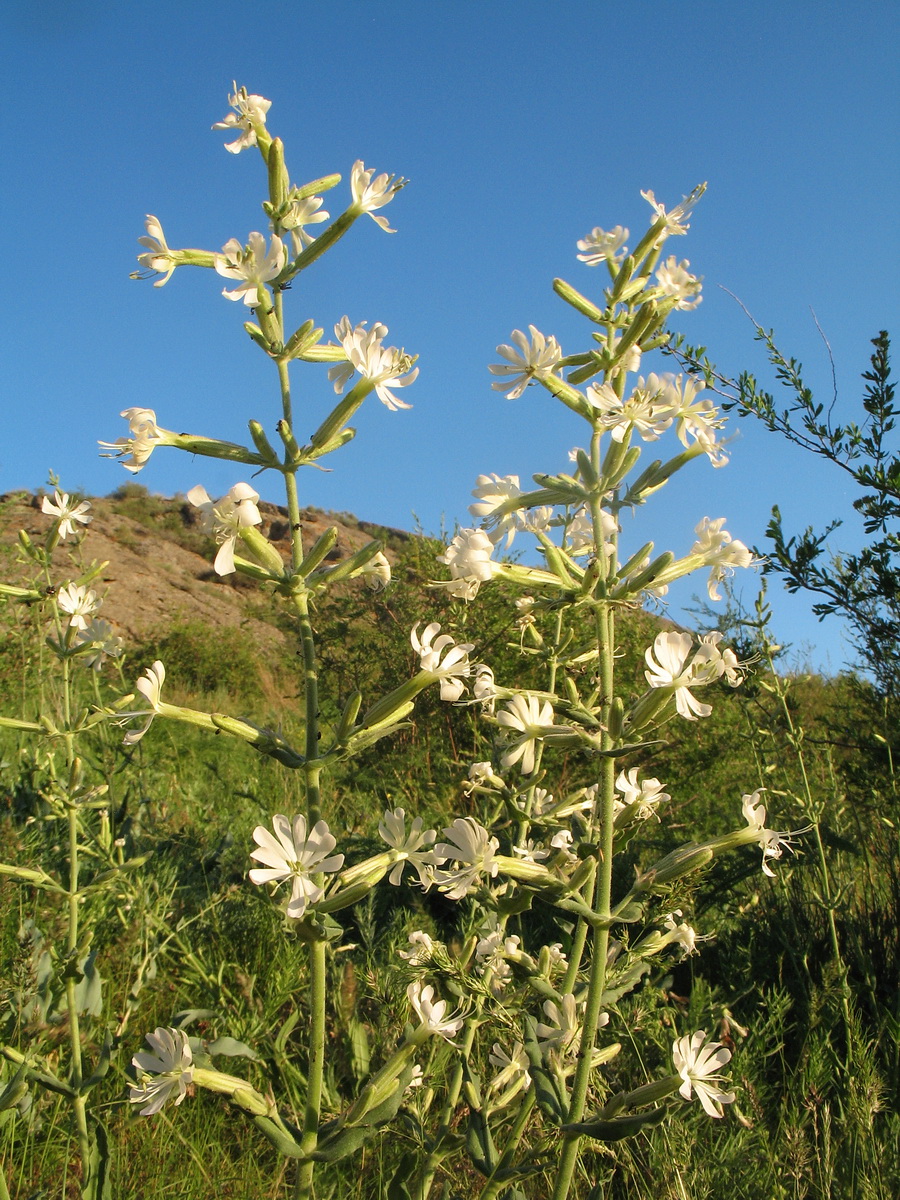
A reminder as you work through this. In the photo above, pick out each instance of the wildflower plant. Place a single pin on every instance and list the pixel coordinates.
(542, 1020)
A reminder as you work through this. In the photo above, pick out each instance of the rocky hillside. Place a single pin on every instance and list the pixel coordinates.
(159, 561)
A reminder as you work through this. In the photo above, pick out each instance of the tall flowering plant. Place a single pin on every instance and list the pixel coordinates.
(527, 1043)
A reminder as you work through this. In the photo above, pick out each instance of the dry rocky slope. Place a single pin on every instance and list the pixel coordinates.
(159, 563)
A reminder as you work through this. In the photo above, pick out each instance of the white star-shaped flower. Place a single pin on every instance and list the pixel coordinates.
(526, 360)
(249, 112)
(69, 512)
(410, 846)
(442, 658)
(292, 854)
(157, 259)
(168, 1070)
(252, 265)
(150, 686)
(372, 360)
(224, 519)
(370, 191)
(602, 246)
(698, 1065)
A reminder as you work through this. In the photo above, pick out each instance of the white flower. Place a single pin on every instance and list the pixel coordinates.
(472, 850)
(512, 1068)
(526, 361)
(442, 658)
(484, 689)
(682, 933)
(301, 213)
(771, 842)
(720, 551)
(377, 572)
(79, 602)
(600, 246)
(224, 519)
(580, 532)
(716, 663)
(150, 687)
(252, 265)
(491, 491)
(145, 436)
(68, 512)
(369, 194)
(469, 558)
(674, 220)
(421, 949)
(291, 854)
(410, 846)
(432, 1013)
(561, 1035)
(249, 111)
(675, 280)
(698, 1066)
(697, 419)
(668, 667)
(529, 716)
(382, 364)
(169, 1069)
(645, 796)
(98, 635)
(641, 410)
(157, 260)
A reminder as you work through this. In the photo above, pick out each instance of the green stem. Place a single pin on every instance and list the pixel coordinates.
(76, 1075)
(434, 1157)
(603, 895)
(496, 1185)
(315, 1070)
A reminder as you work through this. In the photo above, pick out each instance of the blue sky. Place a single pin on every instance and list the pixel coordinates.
(521, 126)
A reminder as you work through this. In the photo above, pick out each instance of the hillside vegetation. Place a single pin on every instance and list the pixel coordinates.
(813, 1022)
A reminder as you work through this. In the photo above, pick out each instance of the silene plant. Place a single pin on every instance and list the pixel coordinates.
(508, 1072)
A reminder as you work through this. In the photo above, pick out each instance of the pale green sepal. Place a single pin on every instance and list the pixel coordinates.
(262, 443)
(310, 453)
(318, 551)
(257, 335)
(278, 176)
(329, 353)
(23, 595)
(566, 292)
(325, 184)
(302, 340)
(323, 242)
(264, 550)
(348, 567)
(569, 396)
(212, 448)
(342, 412)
